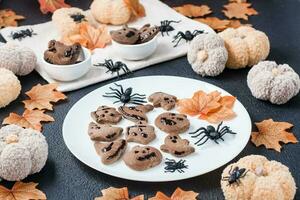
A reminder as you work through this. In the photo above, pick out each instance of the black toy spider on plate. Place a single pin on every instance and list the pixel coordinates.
(19, 35)
(187, 36)
(114, 67)
(211, 133)
(235, 175)
(78, 17)
(173, 166)
(165, 26)
(125, 96)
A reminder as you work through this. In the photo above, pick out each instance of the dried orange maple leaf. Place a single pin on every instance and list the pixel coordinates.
(117, 194)
(214, 22)
(239, 10)
(190, 10)
(29, 119)
(178, 194)
(22, 191)
(136, 7)
(41, 97)
(9, 18)
(270, 133)
(52, 5)
(211, 107)
(90, 37)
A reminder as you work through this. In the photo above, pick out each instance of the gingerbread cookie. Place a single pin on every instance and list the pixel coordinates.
(110, 152)
(142, 157)
(160, 99)
(172, 123)
(136, 113)
(176, 146)
(105, 114)
(126, 35)
(60, 54)
(147, 33)
(104, 132)
(142, 134)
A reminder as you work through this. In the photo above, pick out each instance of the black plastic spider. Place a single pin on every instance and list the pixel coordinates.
(22, 34)
(78, 17)
(165, 26)
(125, 96)
(235, 175)
(114, 67)
(211, 133)
(173, 166)
(187, 36)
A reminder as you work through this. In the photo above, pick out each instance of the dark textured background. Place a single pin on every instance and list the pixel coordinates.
(64, 177)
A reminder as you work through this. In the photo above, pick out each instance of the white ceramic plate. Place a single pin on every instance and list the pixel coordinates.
(207, 157)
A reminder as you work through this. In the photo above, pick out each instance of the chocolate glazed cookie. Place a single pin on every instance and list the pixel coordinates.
(172, 123)
(110, 152)
(142, 157)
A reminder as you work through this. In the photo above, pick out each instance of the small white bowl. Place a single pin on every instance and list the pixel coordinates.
(69, 72)
(135, 51)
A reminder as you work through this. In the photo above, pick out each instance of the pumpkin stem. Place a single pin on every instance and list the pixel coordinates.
(202, 55)
(11, 139)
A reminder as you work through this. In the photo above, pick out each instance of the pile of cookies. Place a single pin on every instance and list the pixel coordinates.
(110, 147)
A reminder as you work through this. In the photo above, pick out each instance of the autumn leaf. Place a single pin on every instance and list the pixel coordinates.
(271, 133)
(236, 24)
(41, 97)
(190, 10)
(214, 22)
(136, 8)
(9, 18)
(117, 194)
(178, 194)
(239, 10)
(211, 107)
(22, 191)
(29, 119)
(52, 5)
(90, 37)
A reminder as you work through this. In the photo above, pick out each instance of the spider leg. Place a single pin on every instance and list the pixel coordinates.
(121, 87)
(219, 126)
(179, 34)
(244, 174)
(177, 42)
(199, 129)
(138, 100)
(194, 136)
(113, 93)
(230, 170)
(215, 140)
(117, 91)
(118, 74)
(116, 101)
(202, 142)
(111, 96)
(140, 95)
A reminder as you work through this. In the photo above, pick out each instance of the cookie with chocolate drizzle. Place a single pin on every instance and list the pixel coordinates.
(142, 157)
(172, 123)
(110, 152)
(106, 115)
(136, 113)
(177, 146)
(164, 100)
(103, 132)
(142, 134)
(125, 35)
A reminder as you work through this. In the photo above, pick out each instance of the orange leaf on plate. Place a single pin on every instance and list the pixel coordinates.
(136, 7)
(41, 97)
(190, 10)
(90, 37)
(117, 194)
(22, 191)
(270, 133)
(239, 10)
(178, 194)
(9, 18)
(29, 119)
(52, 5)
(214, 22)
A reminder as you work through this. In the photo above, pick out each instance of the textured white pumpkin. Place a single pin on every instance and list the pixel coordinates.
(207, 54)
(22, 152)
(19, 59)
(265, 180)
(111, 11)
(10, 87)
(276, 83)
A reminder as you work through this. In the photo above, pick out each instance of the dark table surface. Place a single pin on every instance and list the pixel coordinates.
(64, 177)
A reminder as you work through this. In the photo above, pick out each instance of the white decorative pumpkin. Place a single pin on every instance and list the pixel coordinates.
(22, 152)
